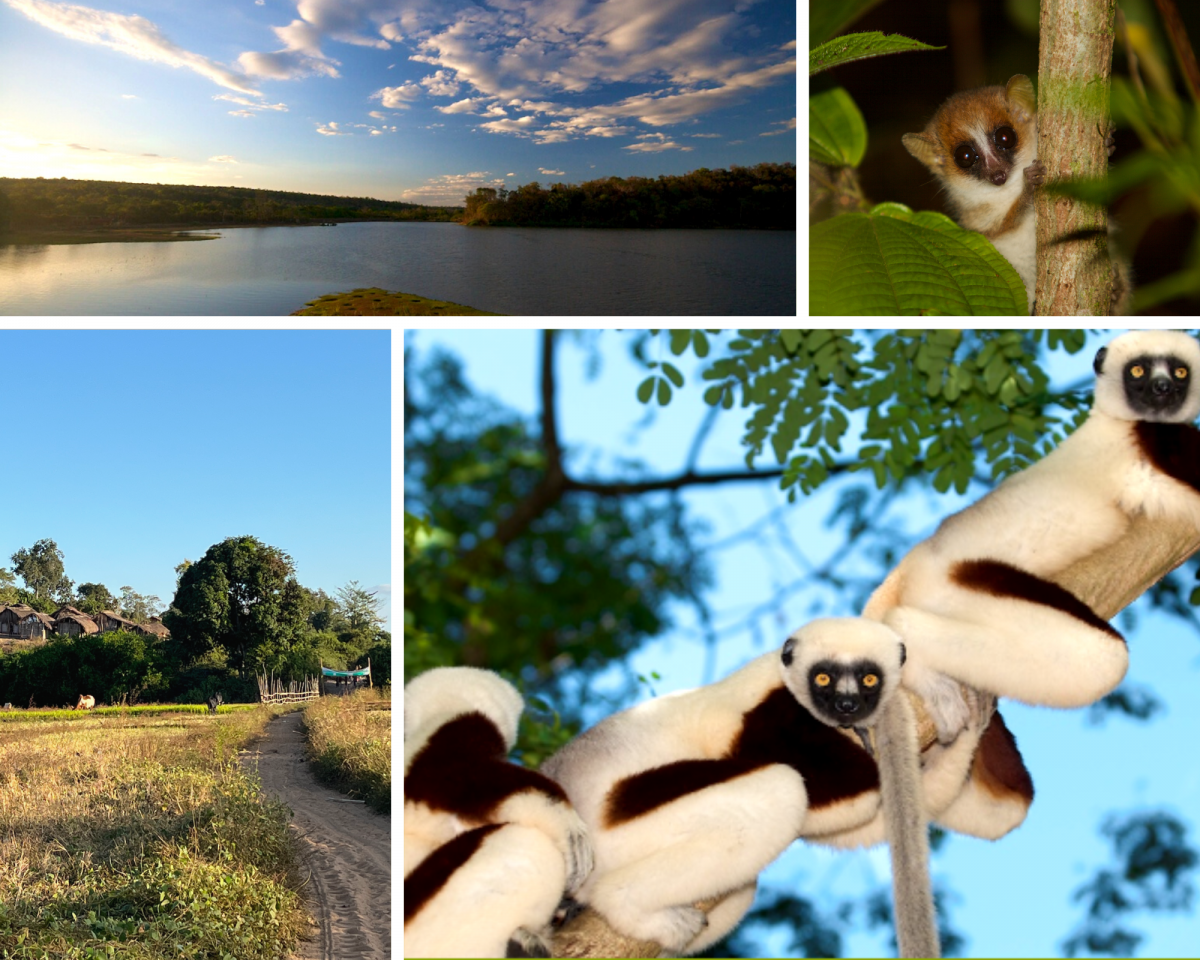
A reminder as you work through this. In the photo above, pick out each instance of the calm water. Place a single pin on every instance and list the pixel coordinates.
(272, 271)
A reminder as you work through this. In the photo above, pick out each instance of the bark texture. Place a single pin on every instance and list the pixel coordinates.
(1074, 66)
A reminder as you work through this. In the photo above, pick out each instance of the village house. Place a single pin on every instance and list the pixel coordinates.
(71, 622)
(108, 621)
(22, 622)
(153, 628)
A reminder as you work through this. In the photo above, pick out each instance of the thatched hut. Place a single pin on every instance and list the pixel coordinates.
(74, 624)
(154, 627)
(109, 621)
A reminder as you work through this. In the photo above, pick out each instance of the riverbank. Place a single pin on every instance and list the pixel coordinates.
(376, 302)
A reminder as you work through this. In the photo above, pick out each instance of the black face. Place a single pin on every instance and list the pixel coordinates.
(845, 693)
(1156, 386)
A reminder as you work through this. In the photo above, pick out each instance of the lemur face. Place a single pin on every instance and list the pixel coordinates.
(1156, 386)
(842, 669)
(846, 693)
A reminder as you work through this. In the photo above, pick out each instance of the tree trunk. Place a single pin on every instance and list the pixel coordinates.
(1075, 62)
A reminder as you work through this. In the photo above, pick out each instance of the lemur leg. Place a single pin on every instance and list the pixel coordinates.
(507, 890)
(723, 917)
(700, 846)
(1031, 652)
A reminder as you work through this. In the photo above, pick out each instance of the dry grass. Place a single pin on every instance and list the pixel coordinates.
(141, 838)
(350, 741)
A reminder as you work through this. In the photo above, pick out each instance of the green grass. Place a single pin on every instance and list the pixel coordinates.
(140, 837)
(104, 235)
(148, 709)
(350, 742)
(376, 302)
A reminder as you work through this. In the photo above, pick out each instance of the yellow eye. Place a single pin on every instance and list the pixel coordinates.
(1137, 372)
(870, 680)
(1181, 373)
(821, 680)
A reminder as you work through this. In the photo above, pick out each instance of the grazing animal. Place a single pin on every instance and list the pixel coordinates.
(86, 702)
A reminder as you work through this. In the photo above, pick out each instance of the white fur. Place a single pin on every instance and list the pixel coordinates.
(512, 885)
(1019, 247)
(651, 871)
(515, 880)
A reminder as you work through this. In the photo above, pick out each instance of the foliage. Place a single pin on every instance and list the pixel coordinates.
(41, 567)
(47, 204)
(374, 302)
(350, 744)
(114, 667)
(91, 598)
(761, 197)
(161, 847)
(138, 608)
(8, 589)
(241, 597)
(585, 584)
(920, 401)
(1154, 872)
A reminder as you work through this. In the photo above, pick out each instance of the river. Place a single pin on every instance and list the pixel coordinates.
(273, 271)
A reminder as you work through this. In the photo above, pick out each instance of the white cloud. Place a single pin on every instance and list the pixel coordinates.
(378, 115)
(440, 84)
(222, 159)
(551, 173)
(130, 96)
(654, 143)
(287, 65)
(462, 106)
(706, 136)
(242, 113)
(520, 125)
(398, 98)
(376, 133)
(510, 174)
(788, 125)
(450, 189)
(129, 34)
(250, 105)
(331, 130)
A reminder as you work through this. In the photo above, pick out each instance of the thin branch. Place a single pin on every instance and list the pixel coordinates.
(1181, 45)
(689, 478)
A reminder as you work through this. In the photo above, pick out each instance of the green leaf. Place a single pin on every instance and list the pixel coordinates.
(892, 261)
(791, 339)
(837, 132)
(645, 389)
(700, 343)
(860, 46)
(713, 395)
(680, 339)
(673, 374)
(664, 393)
(826, 18)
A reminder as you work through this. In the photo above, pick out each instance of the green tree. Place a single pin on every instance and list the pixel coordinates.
(41, 567)
(138, 607)
(241, 598)
(91, 598)
(8, 588)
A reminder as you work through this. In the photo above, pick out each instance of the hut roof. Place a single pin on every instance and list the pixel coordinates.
(117, 617)
(155, 627)
(88, 624)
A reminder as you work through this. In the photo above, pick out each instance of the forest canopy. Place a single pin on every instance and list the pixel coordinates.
(36, 203)
(761, 197)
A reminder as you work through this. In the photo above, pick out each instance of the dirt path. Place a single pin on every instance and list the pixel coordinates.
(347, 849)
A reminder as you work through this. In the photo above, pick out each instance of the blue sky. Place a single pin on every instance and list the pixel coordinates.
(416, 100)
(1013, 895)
(138, 449)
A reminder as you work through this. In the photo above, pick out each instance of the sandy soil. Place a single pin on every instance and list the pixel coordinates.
(347, 851)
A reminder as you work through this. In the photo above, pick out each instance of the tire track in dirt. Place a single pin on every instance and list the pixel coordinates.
(346, 850)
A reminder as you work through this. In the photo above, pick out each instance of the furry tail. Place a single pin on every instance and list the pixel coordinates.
(897, 753)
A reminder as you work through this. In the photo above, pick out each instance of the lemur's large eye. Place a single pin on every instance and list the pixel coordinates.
(1137, 371)
(870, 680)
(822, 680)
(1005, 138)
(965, 155)
(1181, 373)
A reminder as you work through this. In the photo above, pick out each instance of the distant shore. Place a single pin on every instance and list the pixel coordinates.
(168, 232)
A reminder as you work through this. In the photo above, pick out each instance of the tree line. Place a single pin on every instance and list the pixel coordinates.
(760, 197)
(35, 203)
(237, 611)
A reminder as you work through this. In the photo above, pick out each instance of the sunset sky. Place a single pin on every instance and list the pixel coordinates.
(417, 100)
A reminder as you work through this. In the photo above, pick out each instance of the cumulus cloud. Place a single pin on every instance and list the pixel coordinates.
(440, 84)
(551, 173)
(222, 159)
(331, 130)
(654, 143)
(129, 34)
(450, 189)
(398, 98)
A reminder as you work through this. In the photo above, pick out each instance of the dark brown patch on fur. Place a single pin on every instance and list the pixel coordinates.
(435, 871)
(1004, 580)
(463, 768)
(778, 730)
(1173, 448)
(998, 767)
